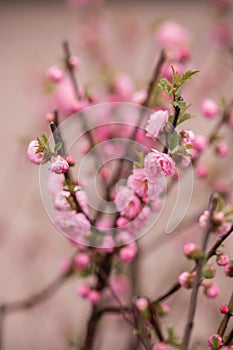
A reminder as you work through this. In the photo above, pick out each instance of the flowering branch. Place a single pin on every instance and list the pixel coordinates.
(226, 318)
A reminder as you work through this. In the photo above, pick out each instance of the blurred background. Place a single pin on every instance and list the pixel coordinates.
(116, 36)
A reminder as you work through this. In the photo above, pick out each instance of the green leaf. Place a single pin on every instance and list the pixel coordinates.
(57, 147)
(165, 86)
(188, 75)
(184, 117)
(173, 141)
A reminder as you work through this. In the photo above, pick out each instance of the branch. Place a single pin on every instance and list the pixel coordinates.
(196, 282)
(226, 318)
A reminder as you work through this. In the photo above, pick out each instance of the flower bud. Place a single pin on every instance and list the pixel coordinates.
(142, 304)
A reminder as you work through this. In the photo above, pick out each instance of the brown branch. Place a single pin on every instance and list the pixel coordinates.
(223, 325)
(196, 282)
(229, 338)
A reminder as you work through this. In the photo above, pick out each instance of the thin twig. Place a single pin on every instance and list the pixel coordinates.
(196, 282)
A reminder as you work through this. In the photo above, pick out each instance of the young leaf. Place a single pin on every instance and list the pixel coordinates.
(57, 147)
(173, 141)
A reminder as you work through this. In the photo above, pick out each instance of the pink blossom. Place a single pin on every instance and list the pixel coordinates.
(142, 304)
(127, 202)
(55, 74)
(218, 217)
(93, 296)
(223, 229)
(123, 86)
(209, 108)
(49, 117)
(138, 182)
(157, 164)
(200, 143)
(124, 237)
(160, 346)
(224, 309)
(108, 244)
(83, 290)
(156, 123)
(128, 253)
(82, 261)
(141, 220)
(73, 224)
(171, 34)
(121, 221)
(202, 171)
(74, 61)
(217, 338)
(58, 165)
(36, 158)
(60, 202)
(55, 183)
(81, 197)
(222, 259)
(211, 290)
(222, 149)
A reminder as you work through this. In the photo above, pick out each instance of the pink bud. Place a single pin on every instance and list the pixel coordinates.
(142, 304)
(222, 149)
(189, 249)
(224, 309)
(217, 337)
(122, 221)
(186, 279)
(74, 62)
(209, 108)
(200, 142)
(218, 217)
(36, 158)
(165, 308)
(82, 261)
(202, 171)
(49, 117)
(93, 296)
(104, 173)
(128, 253)
(83, 290)
(58, 165)
(64, 266)
(71, 160)
(160, 346)
(211, 290)
(229, 269)
(222, 259)
(55, 74)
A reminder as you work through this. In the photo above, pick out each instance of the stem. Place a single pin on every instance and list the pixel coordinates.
(156, 324)
(229, 338)
(91, 329)
(226, 318)
(196, 282)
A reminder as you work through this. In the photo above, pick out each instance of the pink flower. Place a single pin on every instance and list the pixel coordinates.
(187, 137)
(83, 290)
(108, 244)
(74, 61)
(209, 108)
(157, 164)
(222, 149)
(60, 202)
(189, 249)
(202, 171)
(121, 221)
(81, 197)
(128, 253)
(222, 259)
(82, 261)
(55, 74)
(142, 304)
(224, 309)
(171, 35)
(217, 338)
(200, 142)
(36, 158)
(211, 290)
(73, 224)
(127, 202)
(138, 182)
(156, 123)
(160, 346)
(58, 165)
(93, 296)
